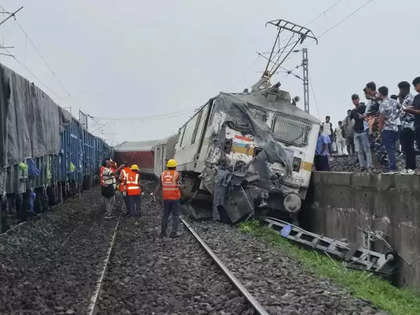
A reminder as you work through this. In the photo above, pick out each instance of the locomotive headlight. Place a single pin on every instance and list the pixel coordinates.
(292, 203)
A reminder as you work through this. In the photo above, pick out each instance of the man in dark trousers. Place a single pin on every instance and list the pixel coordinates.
(328, 131)
(405, 99)
(322, 152)
(171, 195)
(122, 188)
(361, 140)
(415, 110)
(388, 125)
(133, 190)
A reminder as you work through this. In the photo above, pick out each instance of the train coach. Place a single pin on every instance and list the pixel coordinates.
(45, 154)
(138, 152)
(245, 152)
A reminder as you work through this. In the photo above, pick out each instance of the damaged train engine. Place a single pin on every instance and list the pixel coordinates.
(246, 152)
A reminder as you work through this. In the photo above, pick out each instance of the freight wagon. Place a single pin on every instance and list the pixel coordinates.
(137, 152)
(45, 154)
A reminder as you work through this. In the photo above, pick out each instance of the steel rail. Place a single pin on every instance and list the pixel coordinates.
(255, 304)
(92, 309)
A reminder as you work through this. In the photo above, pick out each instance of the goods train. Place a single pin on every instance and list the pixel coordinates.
(45, 153)
(244, 152)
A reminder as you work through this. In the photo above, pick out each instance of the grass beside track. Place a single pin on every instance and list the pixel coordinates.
(361, 284)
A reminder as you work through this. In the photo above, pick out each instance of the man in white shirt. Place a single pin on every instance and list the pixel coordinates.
(388, 124)
(340, 139)
(328, 130)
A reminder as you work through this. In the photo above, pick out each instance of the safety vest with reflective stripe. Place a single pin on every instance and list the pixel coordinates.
(108, 177)
(101, 172)
(170, 189)
(123, 175)
(132, 183)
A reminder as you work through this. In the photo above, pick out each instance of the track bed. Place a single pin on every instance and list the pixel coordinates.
(277, 281)
(150, 275)
(52, 265)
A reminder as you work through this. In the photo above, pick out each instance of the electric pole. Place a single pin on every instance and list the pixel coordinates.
(305, 79)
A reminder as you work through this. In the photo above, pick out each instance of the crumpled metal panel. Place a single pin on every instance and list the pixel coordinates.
(244, 159)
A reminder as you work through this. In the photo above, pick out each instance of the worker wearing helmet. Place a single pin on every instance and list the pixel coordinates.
(171, 194)
(124, 169)
(131, 182)
(108, 183)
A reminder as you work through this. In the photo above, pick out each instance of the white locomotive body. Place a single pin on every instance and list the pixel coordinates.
(247, 151)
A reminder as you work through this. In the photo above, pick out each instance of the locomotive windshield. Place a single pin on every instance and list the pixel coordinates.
(291, 131)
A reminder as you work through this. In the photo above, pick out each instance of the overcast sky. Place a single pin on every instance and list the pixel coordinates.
(162, 59)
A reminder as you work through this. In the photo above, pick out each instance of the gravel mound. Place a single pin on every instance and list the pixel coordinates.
(277, 281)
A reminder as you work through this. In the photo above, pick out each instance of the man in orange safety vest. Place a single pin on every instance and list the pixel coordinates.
(131, 182)
(122, 187)
(171, 194)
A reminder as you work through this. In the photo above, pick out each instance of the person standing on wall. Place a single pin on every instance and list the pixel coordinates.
(108, 185)
(322, 152)
(133, 190)
(361, 139)
(407, 134)
(388, 119)
(349, 132)
(340, 139)
(328, 131)
(171, 195)
(415, 110)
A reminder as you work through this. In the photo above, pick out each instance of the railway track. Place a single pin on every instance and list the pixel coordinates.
(121, 266)
(95, 306)
(250, 298)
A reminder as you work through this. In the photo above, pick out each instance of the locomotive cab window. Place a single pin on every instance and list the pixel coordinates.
(197, 124)
(291, 131)
(181, 134)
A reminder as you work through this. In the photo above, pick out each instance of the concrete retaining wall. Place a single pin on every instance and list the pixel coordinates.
(341, 203)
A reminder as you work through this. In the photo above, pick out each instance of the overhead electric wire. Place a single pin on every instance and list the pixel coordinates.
(44, 60)
(324, 12)
(40, 55)
(346, 18)
(142, 118)
(23, 65)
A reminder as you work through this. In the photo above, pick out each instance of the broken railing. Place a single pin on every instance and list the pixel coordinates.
(355, 256)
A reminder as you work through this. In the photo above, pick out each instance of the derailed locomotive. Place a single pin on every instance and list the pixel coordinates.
(244, 152)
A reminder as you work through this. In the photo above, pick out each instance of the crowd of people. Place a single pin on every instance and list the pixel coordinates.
(123, 183)
(376, 131)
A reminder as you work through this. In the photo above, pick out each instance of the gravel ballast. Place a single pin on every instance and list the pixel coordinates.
(150, 275)
(277, 281)
(51, 265)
